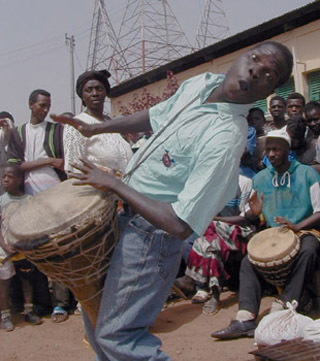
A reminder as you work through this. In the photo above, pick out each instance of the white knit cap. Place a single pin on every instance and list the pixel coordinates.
(280, 133)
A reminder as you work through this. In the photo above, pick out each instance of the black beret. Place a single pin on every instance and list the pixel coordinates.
(101, 75)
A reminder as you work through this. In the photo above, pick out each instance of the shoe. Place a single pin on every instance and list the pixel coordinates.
(41, 310)
(59, 314)
(236, 329)
(7, 325)
(31, 317)
(211, 307)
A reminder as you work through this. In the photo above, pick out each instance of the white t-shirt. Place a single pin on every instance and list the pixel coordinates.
(42, 178)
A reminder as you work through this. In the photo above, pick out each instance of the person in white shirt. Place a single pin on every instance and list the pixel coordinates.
(37, 147)
(107, 151)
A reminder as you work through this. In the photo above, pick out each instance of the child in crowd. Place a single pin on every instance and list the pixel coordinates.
(13, 184)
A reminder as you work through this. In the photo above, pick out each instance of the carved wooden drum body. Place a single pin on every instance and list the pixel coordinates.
(69, 233)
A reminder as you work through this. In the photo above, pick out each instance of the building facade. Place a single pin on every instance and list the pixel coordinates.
(299, 30)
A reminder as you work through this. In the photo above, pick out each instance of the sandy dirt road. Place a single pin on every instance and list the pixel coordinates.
(183, 329)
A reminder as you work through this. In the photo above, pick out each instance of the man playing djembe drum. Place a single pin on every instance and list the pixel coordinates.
(287, 193)
(193, 156)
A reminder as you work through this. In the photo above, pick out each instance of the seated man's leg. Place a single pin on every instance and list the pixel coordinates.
(61, 302)
(142, 270)
(303, 269)
(250, 292)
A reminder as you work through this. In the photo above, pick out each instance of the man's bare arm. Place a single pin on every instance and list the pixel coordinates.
(42, 162)
(160, 214)
(134, 123)
(307, 223)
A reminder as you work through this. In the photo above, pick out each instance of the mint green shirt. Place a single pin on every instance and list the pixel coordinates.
(194, 162)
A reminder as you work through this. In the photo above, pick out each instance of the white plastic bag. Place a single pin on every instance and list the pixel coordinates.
(312, 331)
(282, 325)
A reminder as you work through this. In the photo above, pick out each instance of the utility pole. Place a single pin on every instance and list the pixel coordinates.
(70, 43)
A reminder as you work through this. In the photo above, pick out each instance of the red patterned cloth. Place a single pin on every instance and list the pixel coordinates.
(211, 251)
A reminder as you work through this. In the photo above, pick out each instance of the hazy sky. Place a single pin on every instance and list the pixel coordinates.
(33, 53)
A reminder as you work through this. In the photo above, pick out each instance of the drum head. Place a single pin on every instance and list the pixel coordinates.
(7, 212)
(271, 244)
(59, 207)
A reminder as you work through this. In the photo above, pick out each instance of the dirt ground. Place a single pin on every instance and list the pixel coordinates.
(183, 329)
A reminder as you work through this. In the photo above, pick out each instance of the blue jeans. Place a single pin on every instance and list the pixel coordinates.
(143, 268)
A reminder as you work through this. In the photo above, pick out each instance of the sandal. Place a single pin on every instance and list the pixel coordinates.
(201, 296)
(59, 314)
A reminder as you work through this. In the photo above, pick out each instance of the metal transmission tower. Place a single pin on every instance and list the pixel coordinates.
(213, 24)
(151, 36)
(104, 48)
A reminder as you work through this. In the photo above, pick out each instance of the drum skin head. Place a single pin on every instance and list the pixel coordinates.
(7, 213)
(272, 244)
(57, 208)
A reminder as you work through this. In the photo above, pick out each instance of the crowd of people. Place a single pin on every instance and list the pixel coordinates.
(282, 183)
(192, 196)
(34, 157)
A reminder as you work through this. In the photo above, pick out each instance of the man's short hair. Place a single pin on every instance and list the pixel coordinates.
(16, 168)
(287, 56)
(312, 105)
(256, 109)
(18, 171)
(34, 95)
(297, 96)
(278, 97)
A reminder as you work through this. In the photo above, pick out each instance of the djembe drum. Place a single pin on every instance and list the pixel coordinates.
(69, 232)
(272, 251)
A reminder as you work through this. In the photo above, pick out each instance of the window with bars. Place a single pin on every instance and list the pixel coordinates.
(286, 89)
(262, 104)
(314, 85)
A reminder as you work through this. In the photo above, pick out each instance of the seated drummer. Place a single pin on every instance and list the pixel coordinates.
(288, 194)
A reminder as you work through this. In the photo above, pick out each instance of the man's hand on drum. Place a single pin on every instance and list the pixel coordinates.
(283, 221)
(91, 175)
(87, 130)
(256, 203)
